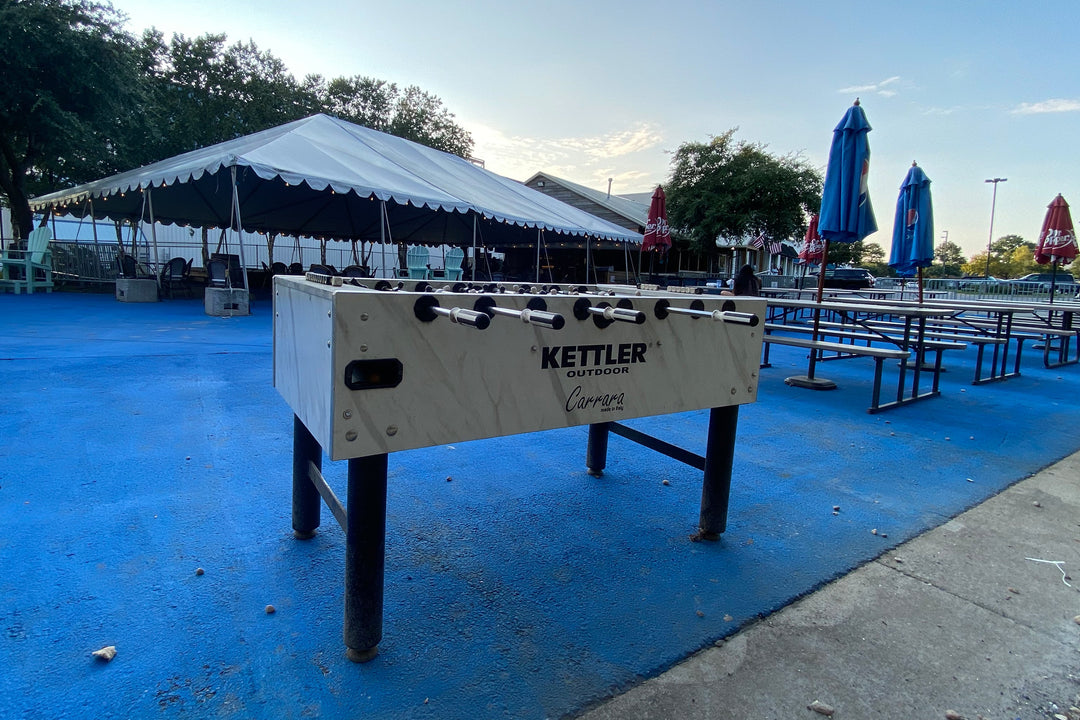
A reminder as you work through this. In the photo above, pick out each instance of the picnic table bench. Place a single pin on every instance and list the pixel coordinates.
(783, 311)
(850, 349)
(1052, 323)
(943, 330)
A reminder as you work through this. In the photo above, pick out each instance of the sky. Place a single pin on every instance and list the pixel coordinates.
(597, 90)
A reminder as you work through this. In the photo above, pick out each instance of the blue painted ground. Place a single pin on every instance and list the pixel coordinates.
(140, 442)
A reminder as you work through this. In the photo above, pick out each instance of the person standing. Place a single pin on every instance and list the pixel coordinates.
(746, 282)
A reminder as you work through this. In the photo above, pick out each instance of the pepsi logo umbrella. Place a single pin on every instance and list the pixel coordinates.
(1057, 240)
(846, 213)
(657, 233)
(913, 226)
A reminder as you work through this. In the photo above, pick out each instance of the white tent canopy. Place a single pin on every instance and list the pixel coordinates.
(327, 178)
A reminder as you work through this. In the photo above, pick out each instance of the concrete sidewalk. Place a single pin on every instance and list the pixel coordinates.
(968, 618)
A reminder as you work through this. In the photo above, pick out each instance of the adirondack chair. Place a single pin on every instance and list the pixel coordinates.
(454, 256)
(417, 260)
(31, 268)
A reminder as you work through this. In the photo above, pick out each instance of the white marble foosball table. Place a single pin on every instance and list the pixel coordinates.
(373, 367)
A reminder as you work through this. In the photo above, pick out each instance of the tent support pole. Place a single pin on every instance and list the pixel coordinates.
(239, 227)
(135, 231)
(640, 248)
(474, 247)
(382, 236)
(626, 258)
(153, 235)
(539, 239)
(587, 260)
(93, 224)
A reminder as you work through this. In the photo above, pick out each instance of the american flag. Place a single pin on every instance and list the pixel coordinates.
(775, 248)
(759, 241)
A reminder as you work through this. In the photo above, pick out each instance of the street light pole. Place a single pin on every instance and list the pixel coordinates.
(993, 205)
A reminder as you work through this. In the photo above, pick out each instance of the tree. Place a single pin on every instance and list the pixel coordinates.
(949, 261)
(410, 113)
(69, 95)
(949, 253)
(873, 253)
(724, 188)
(1010, 256)
(201, 92)
(82, 99)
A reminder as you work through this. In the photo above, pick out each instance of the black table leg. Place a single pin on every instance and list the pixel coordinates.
(719, 457)
(306, 501)
(365, 556)
(596, 452)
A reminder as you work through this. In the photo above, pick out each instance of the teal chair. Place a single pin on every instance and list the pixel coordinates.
(31, 268)
(417, 260)
(454, 256)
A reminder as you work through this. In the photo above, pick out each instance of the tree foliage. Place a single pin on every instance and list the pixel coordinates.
(69, 95)
(1010, 256)
(82, 98)
(949, 253)
(410, 113)
(731, 189)
(201, 91)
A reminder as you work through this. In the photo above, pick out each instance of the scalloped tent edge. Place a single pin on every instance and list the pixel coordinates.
(323, 177)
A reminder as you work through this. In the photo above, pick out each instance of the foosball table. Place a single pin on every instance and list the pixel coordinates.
(374, 367)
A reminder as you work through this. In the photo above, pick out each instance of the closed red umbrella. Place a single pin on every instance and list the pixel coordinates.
(813, 248)
(657, 232)
(1057, 240)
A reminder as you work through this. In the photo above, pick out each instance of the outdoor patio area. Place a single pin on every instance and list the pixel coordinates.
(142, 443)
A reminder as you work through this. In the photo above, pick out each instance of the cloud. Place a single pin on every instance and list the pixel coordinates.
(942, 110)
(589, 160)
(881, 88)
(1054, 105)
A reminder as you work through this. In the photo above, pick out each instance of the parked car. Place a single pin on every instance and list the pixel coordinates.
(978, 283)
(1064, 283)
(849, 278)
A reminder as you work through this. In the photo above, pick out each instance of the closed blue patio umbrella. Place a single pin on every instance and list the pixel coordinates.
(913, 228)
(846, 214)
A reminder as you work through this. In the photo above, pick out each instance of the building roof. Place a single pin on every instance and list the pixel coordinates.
(632, 210)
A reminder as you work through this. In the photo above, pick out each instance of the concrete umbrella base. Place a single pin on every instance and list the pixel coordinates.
(805, 381)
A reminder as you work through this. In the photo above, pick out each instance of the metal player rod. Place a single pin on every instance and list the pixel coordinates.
(720, 315)
(528, 316)
(427, 309)
(620, 314)
(462, 316)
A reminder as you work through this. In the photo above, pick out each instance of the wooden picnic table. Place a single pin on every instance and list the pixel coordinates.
(912, 336)
(1017, 321)
(998, 331)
